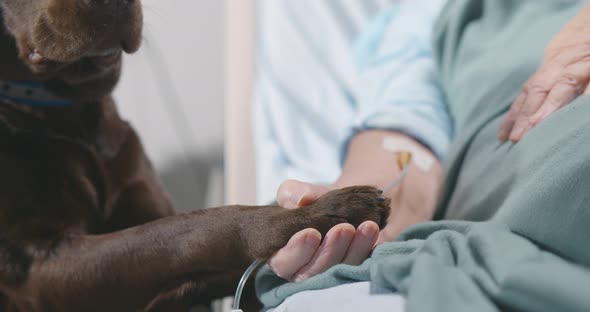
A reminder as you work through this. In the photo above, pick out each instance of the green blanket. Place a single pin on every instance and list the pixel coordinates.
(521, 231)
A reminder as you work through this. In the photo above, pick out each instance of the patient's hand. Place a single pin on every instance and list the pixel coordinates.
(304, 257)
(563, 76)
(367, 163)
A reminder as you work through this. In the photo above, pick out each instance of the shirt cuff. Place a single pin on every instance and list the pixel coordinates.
(434, 136)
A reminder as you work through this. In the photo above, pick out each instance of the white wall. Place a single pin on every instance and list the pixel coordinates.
(172, 92)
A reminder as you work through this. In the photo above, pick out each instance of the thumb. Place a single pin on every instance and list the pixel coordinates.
(295, 194)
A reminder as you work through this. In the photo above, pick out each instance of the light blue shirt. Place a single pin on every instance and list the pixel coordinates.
(321, 80)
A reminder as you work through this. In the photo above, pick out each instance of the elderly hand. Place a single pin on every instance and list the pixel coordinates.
(563, 76)
(306, 255)
(303, 256)
(367, 163)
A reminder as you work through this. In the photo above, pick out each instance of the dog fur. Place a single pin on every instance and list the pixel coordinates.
(84, 223)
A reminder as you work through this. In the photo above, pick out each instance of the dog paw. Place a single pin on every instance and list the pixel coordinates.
(353, 205)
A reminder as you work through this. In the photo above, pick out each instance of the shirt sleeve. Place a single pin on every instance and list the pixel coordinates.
(398, 87)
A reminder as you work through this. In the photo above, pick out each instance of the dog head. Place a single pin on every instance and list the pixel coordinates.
(73, 41)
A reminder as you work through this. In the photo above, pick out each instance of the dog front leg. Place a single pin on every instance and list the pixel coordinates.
(125, 270)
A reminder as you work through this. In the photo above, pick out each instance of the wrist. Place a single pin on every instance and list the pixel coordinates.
(369, 162)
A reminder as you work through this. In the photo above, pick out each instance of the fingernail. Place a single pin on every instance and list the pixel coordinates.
(348, 233)
(367, 232)
(313, 238)
(502, 135)
(380, 199)
(286, 199)
(300, 202)
(516, 133)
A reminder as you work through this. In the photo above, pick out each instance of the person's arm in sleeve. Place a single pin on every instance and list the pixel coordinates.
(399, 99)
(398, 88)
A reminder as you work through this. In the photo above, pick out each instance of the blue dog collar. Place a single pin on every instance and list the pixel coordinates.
(32, 93)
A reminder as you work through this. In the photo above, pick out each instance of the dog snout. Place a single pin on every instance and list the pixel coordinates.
(120, 21)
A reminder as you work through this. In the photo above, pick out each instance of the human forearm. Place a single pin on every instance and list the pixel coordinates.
(367, 162)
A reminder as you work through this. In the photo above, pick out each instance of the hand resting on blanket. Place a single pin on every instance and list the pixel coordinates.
(306, 255)
(563, 76)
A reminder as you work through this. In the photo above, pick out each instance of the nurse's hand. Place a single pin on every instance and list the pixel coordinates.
(303, 256)
(563, 76)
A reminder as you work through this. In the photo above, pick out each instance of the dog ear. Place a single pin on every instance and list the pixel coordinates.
(14, 262)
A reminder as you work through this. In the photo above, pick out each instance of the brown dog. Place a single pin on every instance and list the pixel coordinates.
(84, 224)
